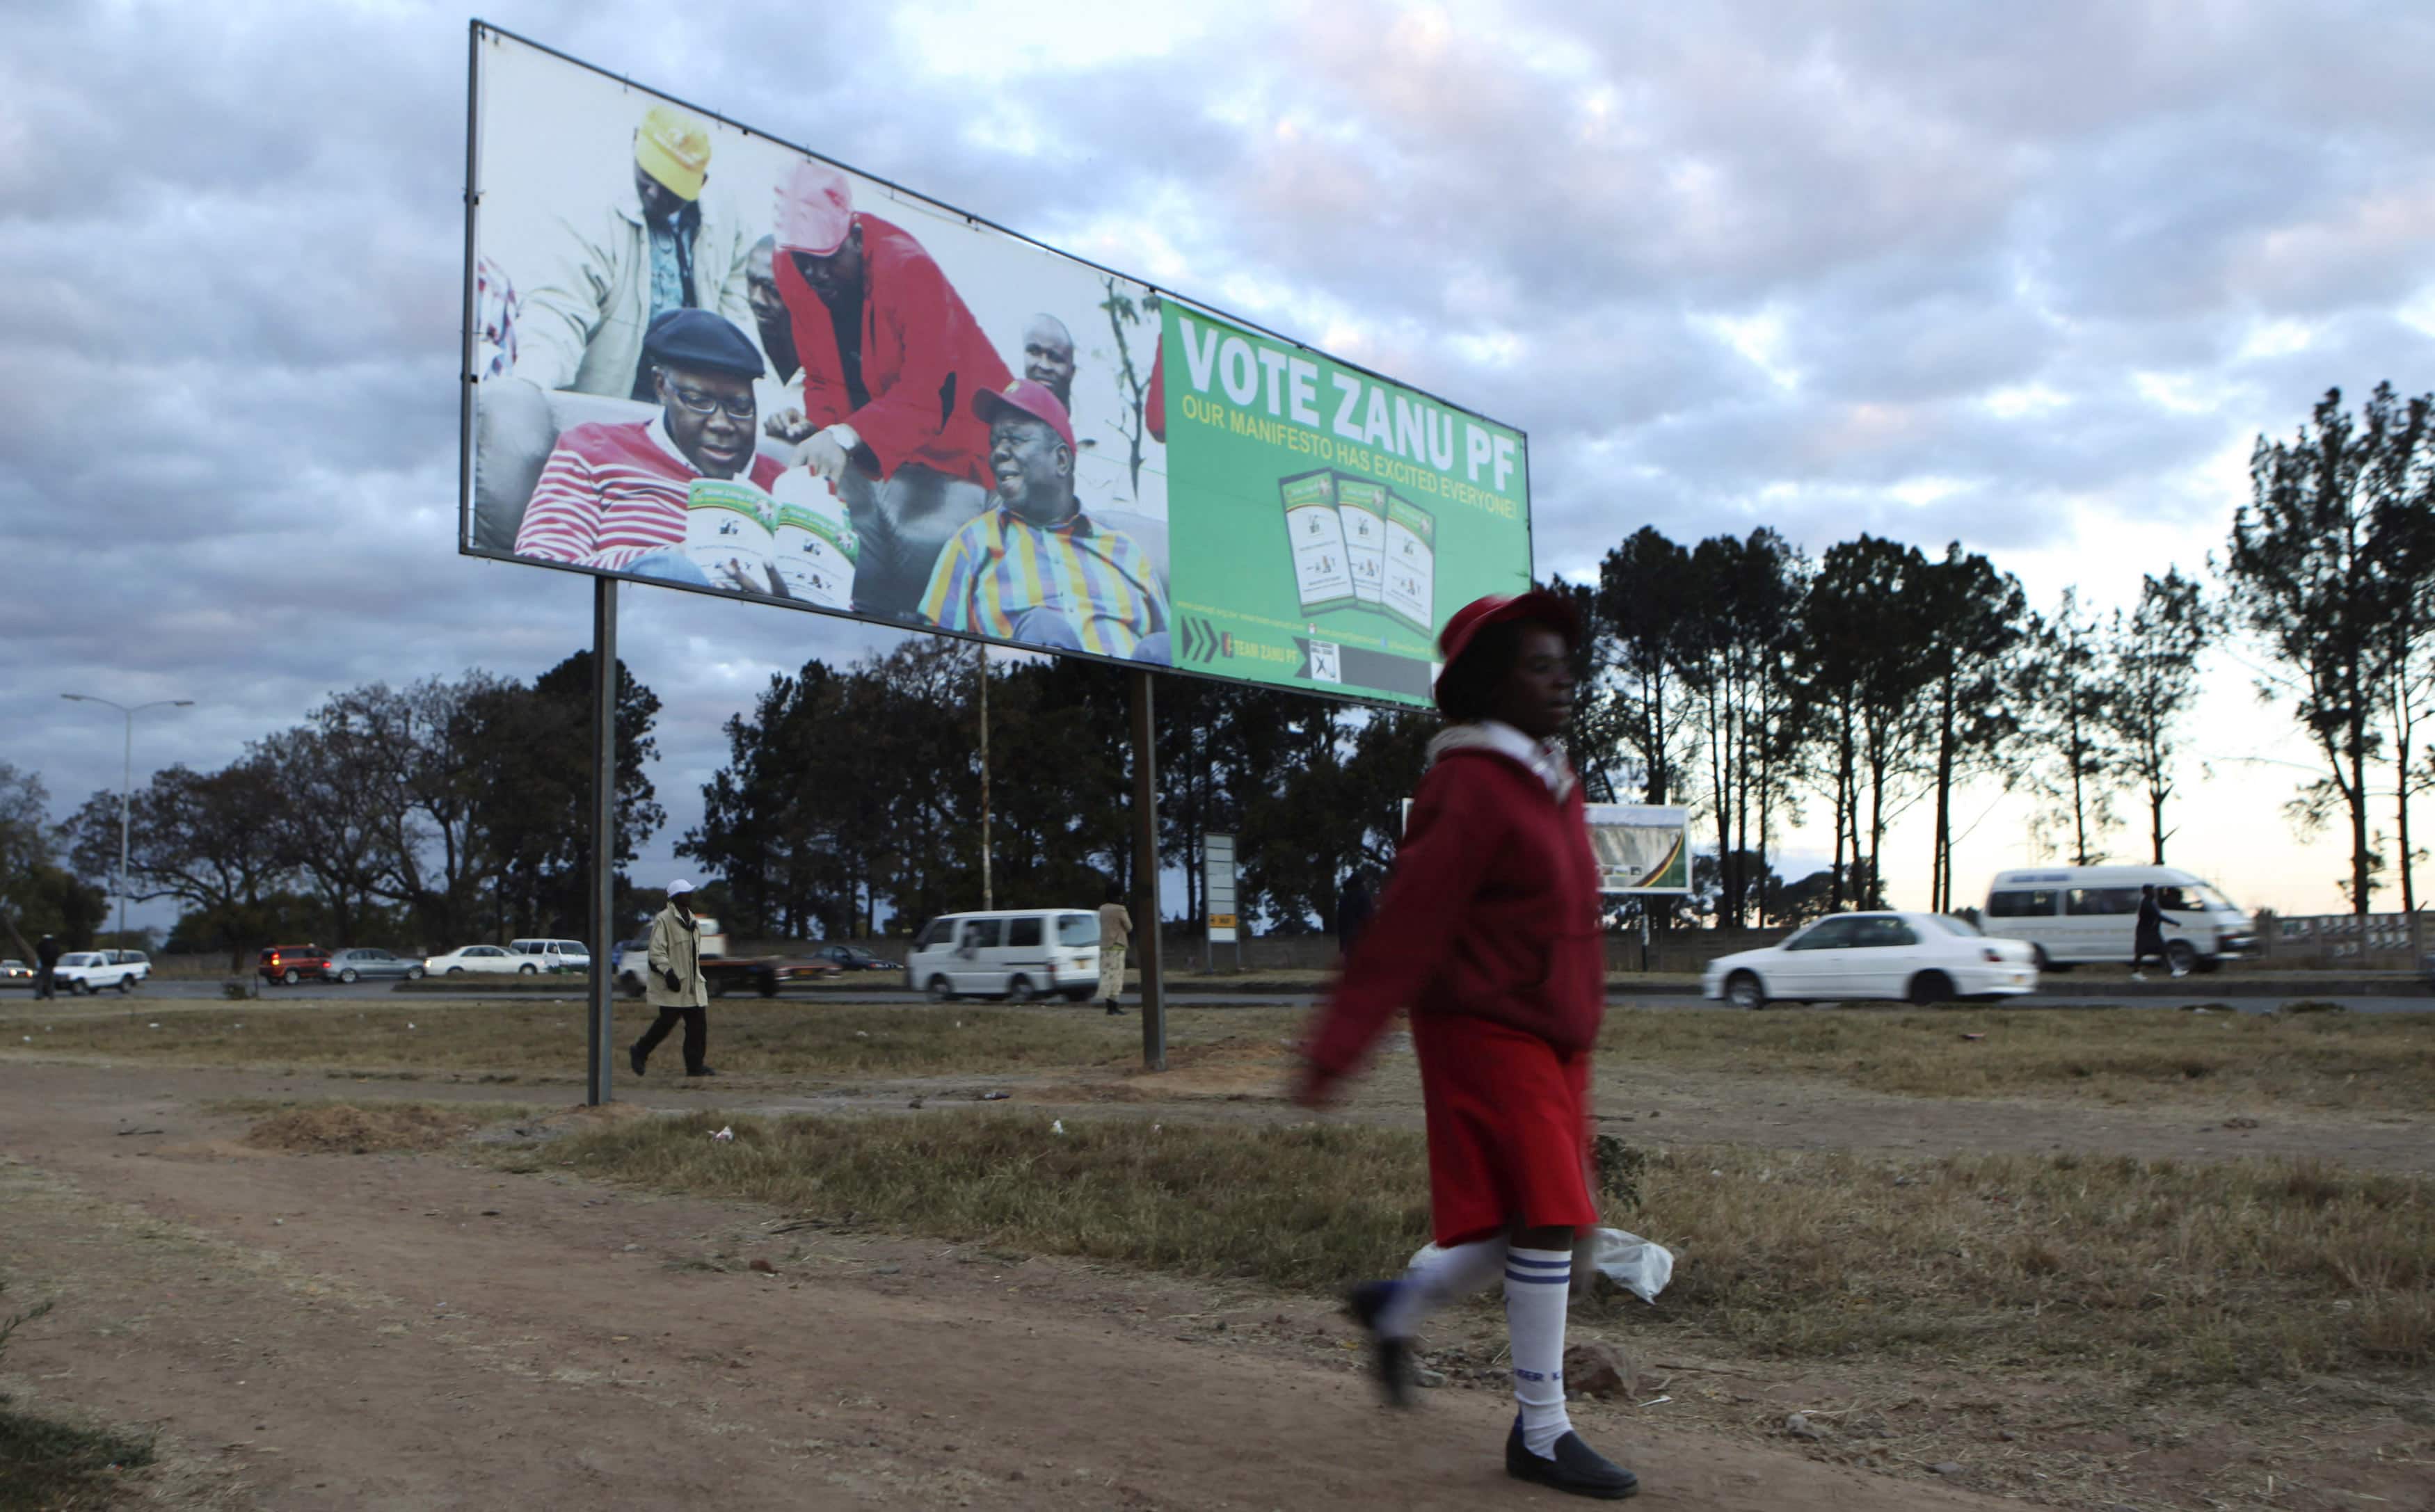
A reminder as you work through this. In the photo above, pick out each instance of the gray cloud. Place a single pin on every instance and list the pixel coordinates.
(1929, 270)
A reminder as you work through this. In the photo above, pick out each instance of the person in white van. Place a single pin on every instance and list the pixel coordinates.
(2089, 915)
(2149, 940)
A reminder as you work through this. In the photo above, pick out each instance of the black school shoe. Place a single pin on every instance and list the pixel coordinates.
(701, 1071)
(1391, 1359)
(1577, 1470)
(634, 1059)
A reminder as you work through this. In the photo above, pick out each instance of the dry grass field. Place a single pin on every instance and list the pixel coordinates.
(2316, 1060)
(2180, 1273)
(2382, 1061)
(2078, 1326)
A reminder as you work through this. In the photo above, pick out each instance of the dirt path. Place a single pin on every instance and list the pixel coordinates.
(412, 1331)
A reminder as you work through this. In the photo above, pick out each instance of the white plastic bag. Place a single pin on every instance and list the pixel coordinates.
(1640, 1266)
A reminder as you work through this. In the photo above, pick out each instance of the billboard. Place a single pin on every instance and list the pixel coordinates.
(699, 356)
(1641, 848)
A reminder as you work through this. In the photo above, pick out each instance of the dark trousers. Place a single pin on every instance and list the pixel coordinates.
(2147, 945)
(696, 1033)
(43, 981)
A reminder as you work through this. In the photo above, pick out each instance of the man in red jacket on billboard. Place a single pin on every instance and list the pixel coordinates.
(892, 357)
(1487, 933)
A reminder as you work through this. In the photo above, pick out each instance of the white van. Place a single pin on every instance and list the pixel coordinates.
(1018, 955)
(2069, 914)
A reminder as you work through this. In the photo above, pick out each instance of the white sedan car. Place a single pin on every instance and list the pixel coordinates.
(1923, 958)
(484, 958)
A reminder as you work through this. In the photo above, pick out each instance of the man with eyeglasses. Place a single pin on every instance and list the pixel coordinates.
(614, 495)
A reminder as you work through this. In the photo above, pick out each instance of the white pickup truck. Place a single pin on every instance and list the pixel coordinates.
(91, 970)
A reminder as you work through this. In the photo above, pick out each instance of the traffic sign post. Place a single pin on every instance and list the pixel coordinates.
(1217, 864)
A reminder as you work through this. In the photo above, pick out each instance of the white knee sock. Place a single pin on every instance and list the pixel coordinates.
(1538, 1282)
(1446, 1276)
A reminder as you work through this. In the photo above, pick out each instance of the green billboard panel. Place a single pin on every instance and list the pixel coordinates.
(697, 357)
(1325, 520)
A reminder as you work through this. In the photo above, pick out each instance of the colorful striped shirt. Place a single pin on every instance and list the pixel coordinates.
(1000, 567)
(613, 492)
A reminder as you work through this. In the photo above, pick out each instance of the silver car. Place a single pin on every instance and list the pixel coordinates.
(348, 966)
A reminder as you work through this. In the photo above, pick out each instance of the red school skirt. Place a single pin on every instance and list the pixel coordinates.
(1508, 1126)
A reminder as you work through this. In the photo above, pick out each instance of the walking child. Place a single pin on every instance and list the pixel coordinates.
(1487, 931)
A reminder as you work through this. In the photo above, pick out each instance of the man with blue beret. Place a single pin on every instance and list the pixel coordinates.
(613, 494)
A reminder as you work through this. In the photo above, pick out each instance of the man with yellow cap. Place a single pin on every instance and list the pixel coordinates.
(581, 326)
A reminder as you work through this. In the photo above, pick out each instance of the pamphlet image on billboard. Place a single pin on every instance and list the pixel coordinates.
(701, 357)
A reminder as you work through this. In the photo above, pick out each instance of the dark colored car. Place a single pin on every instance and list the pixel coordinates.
(855, 958)
(346, 965)
(291, 964)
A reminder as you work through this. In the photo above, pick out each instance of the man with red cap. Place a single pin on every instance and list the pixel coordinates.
(1487, 933)
(892, 358)
(1035, 567)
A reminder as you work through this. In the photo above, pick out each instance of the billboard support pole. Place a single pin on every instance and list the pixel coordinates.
(989, 898)
(600, 1036)
(1145, 927)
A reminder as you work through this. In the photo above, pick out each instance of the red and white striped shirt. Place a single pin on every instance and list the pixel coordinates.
(613, 492)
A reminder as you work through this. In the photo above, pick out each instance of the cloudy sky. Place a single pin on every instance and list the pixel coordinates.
(2033, 278)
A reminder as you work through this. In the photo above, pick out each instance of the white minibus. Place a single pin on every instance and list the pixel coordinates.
(2074, 914)
(1017, 955)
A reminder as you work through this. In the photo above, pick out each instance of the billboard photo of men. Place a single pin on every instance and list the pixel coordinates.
(782, 402)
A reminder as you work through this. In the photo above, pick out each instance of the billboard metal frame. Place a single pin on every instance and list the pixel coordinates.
(479, 28)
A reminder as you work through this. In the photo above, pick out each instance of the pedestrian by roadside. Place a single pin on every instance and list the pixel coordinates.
(1353, 906)
(1487, 933)
(46, 961)
(2148, 939)
(673, 984)
(1115, 932)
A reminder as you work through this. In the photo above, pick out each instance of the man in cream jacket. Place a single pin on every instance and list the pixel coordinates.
(673, 984)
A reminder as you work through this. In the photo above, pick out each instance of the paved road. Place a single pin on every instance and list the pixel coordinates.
(381, 992)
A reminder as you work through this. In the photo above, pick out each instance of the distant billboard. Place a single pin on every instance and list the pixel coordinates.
(1641, 848)
(699, 356)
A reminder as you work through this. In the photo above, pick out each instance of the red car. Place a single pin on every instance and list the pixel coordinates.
(291, 964)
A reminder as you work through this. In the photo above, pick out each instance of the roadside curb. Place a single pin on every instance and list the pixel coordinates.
(2221, 984)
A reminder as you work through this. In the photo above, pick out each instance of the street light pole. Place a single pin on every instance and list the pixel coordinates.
(126, 781)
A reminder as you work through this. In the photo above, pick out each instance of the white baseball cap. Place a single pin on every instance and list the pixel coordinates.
(680, 888)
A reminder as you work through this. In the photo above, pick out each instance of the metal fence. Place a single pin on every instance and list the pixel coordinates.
(2388, 941)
